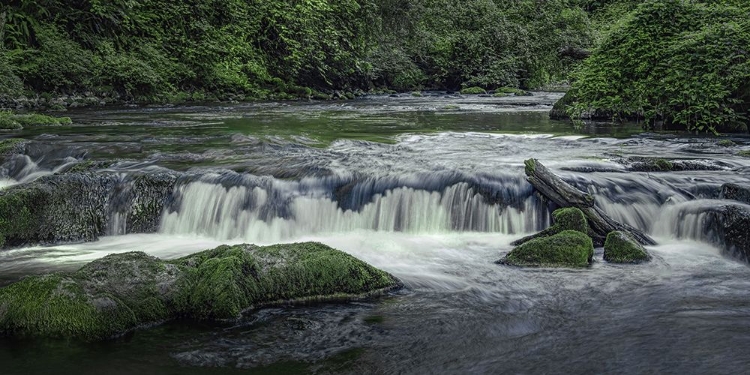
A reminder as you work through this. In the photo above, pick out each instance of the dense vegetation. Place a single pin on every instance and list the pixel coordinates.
(683, 63)
(194, 49)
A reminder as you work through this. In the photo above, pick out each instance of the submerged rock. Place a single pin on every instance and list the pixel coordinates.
(563, 219)
(121, 292)
(568, 248)
(82, 207)
(621, 248)
(735, 192)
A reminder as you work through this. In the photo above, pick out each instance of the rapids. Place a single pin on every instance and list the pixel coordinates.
(433, 191)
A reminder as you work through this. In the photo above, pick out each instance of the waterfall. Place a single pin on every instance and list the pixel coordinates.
(270, 210)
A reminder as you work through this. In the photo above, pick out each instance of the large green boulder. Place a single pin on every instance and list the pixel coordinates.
(121, 292)
(621, 248)
(565, 249)
(569, 218)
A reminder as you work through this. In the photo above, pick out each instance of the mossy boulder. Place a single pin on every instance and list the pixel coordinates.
(569, 218)
(121, 292)
(473, 91)
(568, 248)
(621, 248)
(79, 207)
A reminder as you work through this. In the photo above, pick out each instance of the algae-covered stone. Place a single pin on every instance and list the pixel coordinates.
(566, 249)
(569, 218)
(621, 248)
(11, 146)
(121, 292)
(78, 207)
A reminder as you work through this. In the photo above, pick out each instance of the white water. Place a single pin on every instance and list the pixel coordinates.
(30, 170)
(238, 213)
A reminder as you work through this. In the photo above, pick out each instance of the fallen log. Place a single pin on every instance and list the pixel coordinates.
(565, 195)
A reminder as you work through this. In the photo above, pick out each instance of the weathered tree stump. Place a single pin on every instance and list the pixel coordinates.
(565, 195)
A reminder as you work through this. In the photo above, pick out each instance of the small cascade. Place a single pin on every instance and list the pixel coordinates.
(20, 169)
(266, 210)
(687, 220)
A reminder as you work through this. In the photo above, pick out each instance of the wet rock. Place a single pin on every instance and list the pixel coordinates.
(731, 226)
(563, 219)
(82, 206)
(639, 164)
(12, 146)
(565, 249)
(735, 192)
(121, 292)
(621, 248)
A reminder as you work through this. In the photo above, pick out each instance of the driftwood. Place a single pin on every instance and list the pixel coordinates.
(565, 195)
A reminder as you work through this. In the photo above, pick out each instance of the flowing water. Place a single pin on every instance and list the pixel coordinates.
(431, 190)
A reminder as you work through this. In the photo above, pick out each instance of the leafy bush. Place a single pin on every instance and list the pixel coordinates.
(684, 63)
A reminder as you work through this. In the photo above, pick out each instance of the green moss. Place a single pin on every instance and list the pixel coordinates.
(726, 143)
(530, 166)
(416, 94)
(11, 121)
(18, 214)
(35, 119)
(662, 164)
(512, 91)
(565, 249)
(10, 145)
(745, 153)
(123, 291)
(473, 90)
(7, 122)
(621, 248)
(56, 306)
(569, 218)
(313, 271)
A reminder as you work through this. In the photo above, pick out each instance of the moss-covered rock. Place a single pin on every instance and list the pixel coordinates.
(11, 146)
(121, 292)
(621, 248)
(566, 249)
(78, 207)
(473, 91)
(563, 219)
(13, 121)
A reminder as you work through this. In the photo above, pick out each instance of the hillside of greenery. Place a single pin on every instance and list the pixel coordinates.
(683, 63)
(148, 50)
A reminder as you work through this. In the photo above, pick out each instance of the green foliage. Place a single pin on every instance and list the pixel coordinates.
(148, 50)
(565, 249)
(621, 248)
(681, 62)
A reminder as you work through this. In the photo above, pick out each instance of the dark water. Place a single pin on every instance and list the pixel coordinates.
(431, 190)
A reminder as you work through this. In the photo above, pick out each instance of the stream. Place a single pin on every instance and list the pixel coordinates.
(432, 190)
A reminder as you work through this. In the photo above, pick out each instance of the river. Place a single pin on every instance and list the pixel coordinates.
(431, 190)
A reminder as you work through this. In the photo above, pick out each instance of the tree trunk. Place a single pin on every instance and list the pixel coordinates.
(565, 195)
